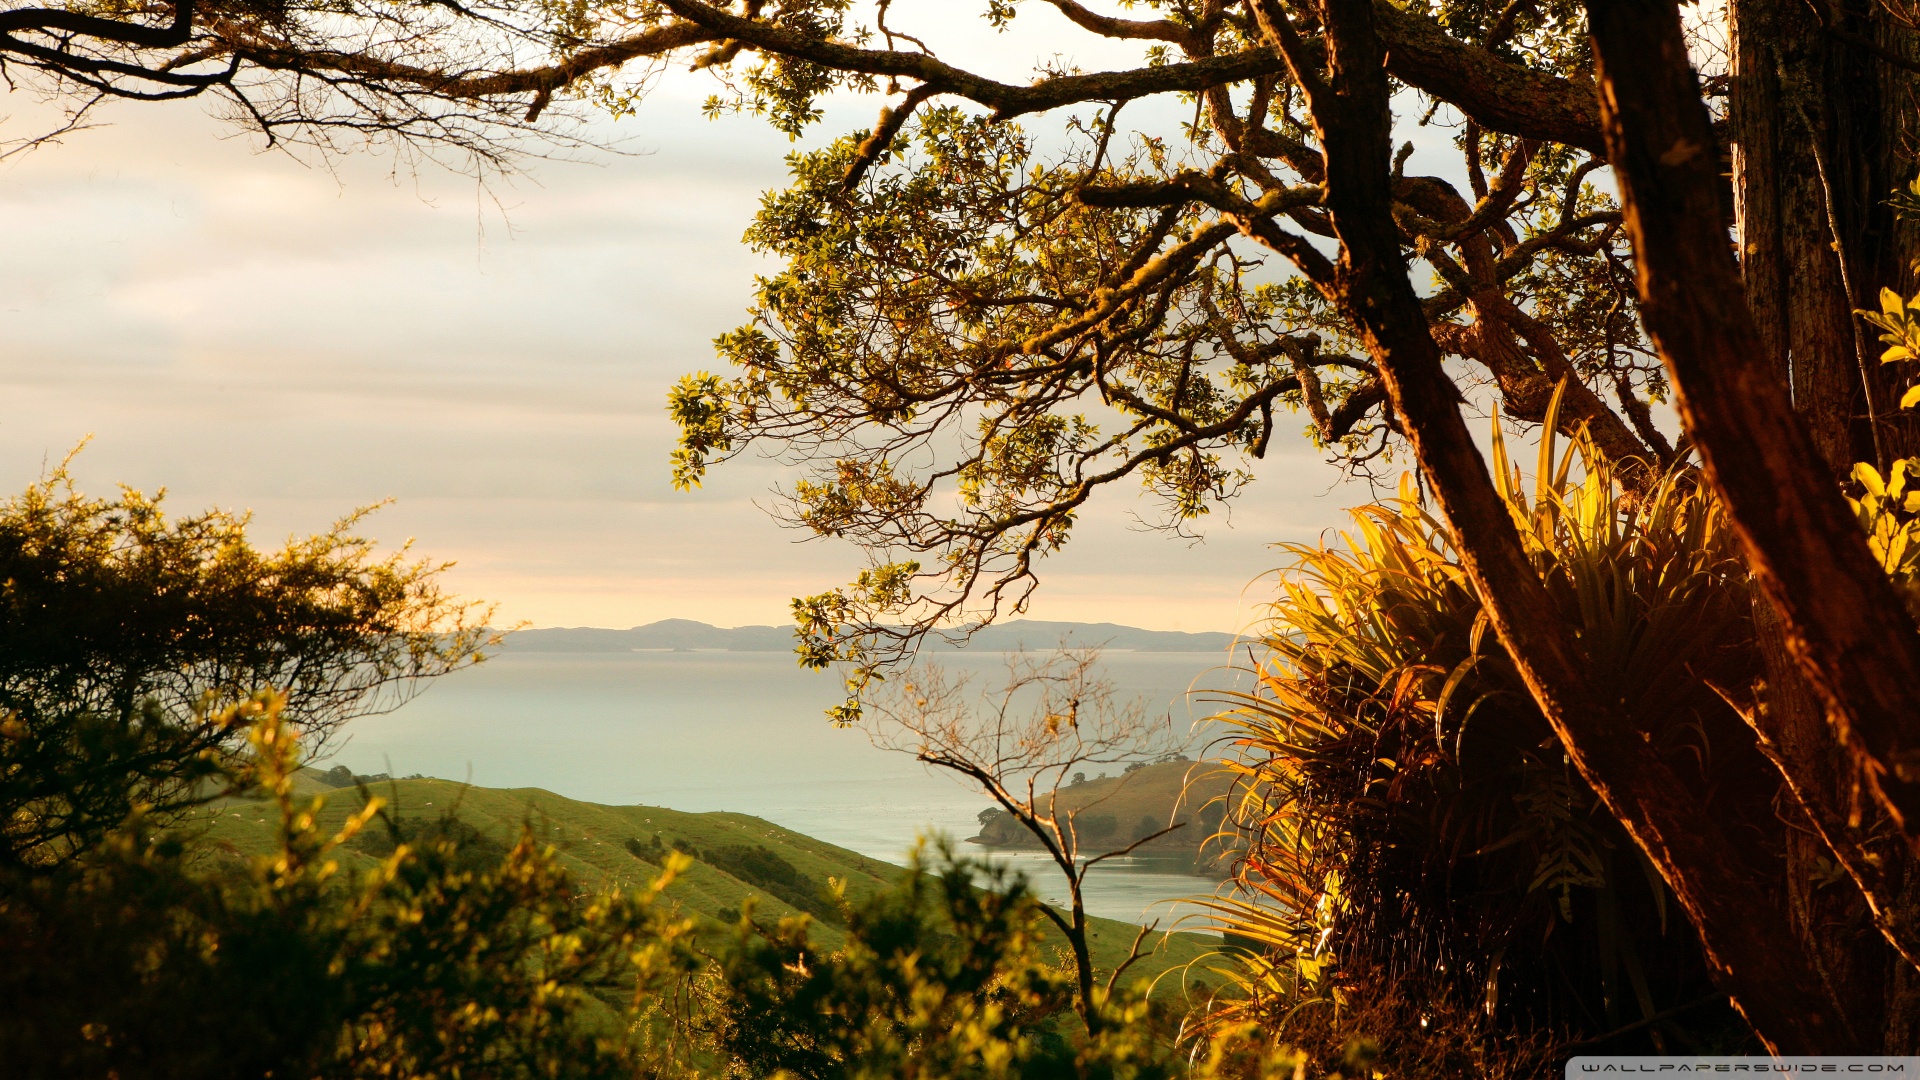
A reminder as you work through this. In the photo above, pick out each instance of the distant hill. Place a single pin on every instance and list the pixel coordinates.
(736, 856)
(1028, 634)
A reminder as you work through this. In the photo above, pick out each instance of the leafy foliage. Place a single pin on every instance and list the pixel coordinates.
(138, 961)
(1888, 510)
(923, 989)
(1412, 819)
(121, 629)
(940, 978)
(435, 963)
(969, 336)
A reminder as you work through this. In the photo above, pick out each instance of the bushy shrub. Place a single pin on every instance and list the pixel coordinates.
(941, 977)
(121, 627)
(1408, 809)
(136, 960)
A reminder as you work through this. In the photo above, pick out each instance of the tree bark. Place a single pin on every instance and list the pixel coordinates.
(1820, 332)
(1847, 937)
(1788, 716)
(1847, 627)
(1777, 989)
(1753, 115)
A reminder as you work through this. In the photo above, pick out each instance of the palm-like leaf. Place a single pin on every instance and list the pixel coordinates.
(1404, 806)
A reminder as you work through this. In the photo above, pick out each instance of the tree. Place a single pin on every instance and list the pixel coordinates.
(1778, 989)
(1838, 618)
(124, 634)
(967, 346)
(468, 84)
(964, 298)
(1017, 743)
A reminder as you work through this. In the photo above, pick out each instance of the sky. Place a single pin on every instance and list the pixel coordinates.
(298, 339)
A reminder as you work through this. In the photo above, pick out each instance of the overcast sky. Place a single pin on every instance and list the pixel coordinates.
(253, 332)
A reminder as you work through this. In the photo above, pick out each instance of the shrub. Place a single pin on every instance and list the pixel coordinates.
(1406, 806)
(137, 960)
(120, 627)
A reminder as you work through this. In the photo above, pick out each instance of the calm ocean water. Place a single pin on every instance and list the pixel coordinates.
(743, 732)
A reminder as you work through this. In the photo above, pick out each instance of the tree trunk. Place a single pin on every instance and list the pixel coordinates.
(1852, 957)
(1777, 989)
(1776, 246)
(1868, 111)
(1753, 113)
(1847, 627)
(1832, 127)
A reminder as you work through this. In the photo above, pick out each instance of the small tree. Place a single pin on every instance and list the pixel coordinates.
(123, 632)
(1018, 742)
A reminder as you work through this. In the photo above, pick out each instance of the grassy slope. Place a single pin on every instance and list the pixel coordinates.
(588, 839)
(1163, 793)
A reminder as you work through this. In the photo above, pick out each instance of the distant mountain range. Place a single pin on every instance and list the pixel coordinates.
(688, 635)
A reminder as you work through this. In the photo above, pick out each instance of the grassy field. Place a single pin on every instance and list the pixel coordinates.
(736, 856)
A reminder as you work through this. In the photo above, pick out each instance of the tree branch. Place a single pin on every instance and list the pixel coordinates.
(1775, 987)
(51, 20)
(1501, 94)
(1845, 623)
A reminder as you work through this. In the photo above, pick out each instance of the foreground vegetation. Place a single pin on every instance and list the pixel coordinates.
(370, 944)
(735, 862)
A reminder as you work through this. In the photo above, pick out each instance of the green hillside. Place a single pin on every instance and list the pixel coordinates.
(1114, 811)
(737, 856)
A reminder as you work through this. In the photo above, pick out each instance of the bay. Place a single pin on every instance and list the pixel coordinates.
(745, 732)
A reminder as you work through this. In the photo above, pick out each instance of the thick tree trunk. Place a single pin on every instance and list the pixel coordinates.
(1872, 114)
(1753, 113)
(1761, 33)
(1847, 627)
(1843, 935)
(1777, 989)
(1832, 128)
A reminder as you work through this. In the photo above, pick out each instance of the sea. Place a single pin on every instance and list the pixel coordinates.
(746, 732)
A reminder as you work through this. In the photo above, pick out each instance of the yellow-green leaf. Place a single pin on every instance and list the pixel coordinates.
(1869, 478)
